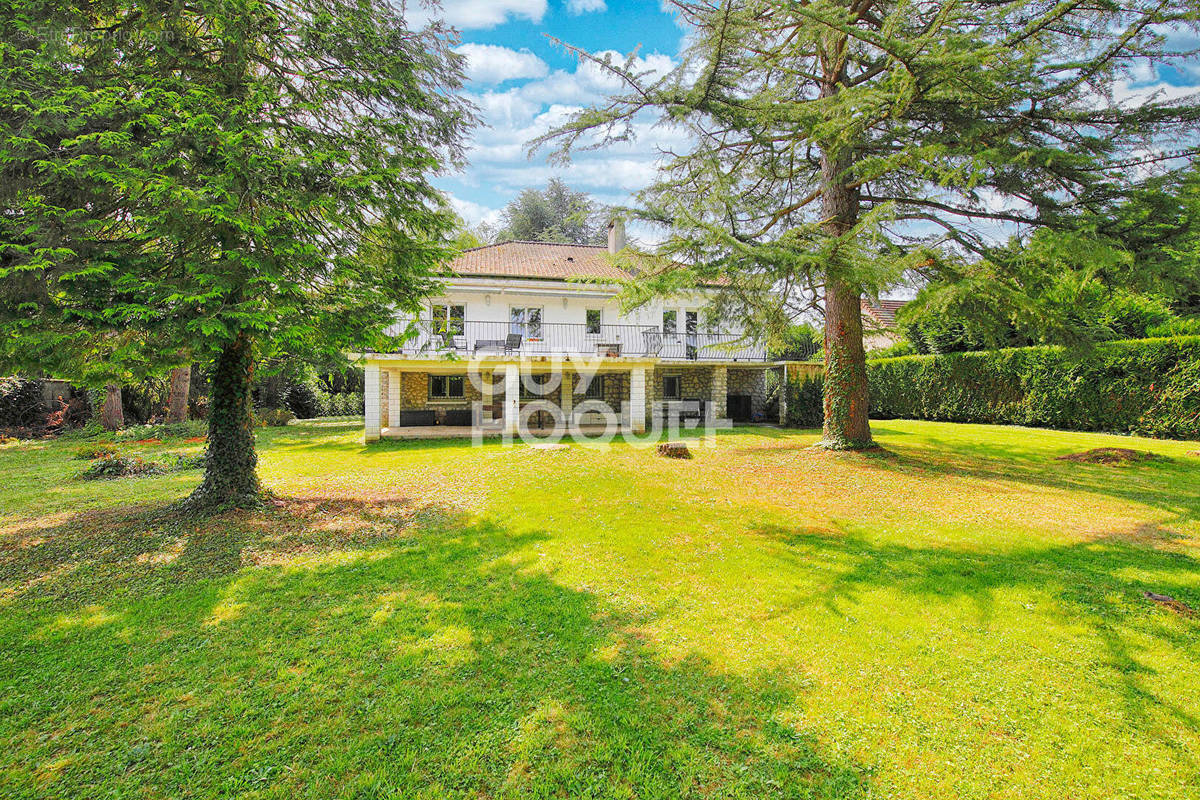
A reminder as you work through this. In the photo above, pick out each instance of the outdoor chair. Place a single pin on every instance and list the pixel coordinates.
(654, 341)
(512, 342)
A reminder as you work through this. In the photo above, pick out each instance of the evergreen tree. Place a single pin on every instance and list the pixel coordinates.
(837, 145)
(202, 177)
(555, 214)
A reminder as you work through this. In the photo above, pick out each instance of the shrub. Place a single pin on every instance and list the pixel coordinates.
(273, 417)
(806, 404)
(119, 466)
(301, 399)
(183, 461)
(1128, 386)
(20, 403)
(87, 452)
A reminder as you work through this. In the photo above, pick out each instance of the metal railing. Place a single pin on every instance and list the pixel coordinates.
(468, 338)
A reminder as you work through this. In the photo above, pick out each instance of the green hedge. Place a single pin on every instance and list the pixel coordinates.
(1148, 386)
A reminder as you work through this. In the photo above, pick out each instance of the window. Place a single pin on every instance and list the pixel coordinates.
(690, 324)
(669, 320)
(594, 389)
(671, 389)
(593, 321)
(525, 321)
(448, 318)
(533, 386)
(445, 387)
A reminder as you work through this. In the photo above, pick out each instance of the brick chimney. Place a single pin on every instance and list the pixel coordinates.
(616, 235)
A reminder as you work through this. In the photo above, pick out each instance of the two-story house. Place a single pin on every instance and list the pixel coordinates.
(514, 313)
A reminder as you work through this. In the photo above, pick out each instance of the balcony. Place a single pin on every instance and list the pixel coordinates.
(467, 339)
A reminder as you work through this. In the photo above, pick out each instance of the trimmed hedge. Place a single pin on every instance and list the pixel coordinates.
(1147, 386)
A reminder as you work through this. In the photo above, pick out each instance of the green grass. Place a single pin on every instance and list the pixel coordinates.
(961, 617)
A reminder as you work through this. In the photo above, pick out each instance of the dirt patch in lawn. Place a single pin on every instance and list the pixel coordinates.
(147, 441)
(1178, 606)
(1110, 455)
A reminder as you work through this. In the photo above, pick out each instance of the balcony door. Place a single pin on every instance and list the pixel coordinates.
(526, 321)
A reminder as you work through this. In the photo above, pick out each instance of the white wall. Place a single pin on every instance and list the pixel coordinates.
(490, 301)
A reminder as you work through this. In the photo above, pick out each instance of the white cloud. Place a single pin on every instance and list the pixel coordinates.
(490, 63)
(584, 6)
(474, 213)
(469, 14)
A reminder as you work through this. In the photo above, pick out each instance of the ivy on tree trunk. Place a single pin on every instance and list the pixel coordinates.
(230, 475)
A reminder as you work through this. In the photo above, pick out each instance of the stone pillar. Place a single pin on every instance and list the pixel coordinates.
(566, 395)
(783, 395)
(371, 398)
(637, 399)
(485, 394)
(395, 397)
(512, 397)
(720, 388)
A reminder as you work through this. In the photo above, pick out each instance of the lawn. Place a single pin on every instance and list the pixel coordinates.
(960, 617)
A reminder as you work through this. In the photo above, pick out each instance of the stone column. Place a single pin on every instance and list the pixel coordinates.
(512, 397)
(566, 395)
(371, 401)
(719, 390)
(637, 399)
(395, 397)
(485, 394)
(783, 394)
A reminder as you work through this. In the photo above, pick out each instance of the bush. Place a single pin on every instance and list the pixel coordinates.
(273, 417)
(87, 452)
(119, 466)
(182, 461)
(806, 403)
(302, 400)
(1125, 387)
(20, 403)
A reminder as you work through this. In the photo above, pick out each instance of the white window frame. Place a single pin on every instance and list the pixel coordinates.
(599, 323)
(524, 323)
(445, 317)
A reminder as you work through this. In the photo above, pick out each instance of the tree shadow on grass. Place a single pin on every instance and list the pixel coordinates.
(1092, 581)
(342, 648)
(1172, 486)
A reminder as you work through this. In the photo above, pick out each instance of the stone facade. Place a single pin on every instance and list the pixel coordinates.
(752, 382)
(696, 383)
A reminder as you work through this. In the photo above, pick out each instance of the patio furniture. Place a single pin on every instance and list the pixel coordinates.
(512, 342)
(458, 417)
(608, 349)
(489, 344)
(416, 419)
(653, 339)
(453, 342)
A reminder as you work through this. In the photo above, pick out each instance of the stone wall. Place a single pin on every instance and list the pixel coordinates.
(752, 382)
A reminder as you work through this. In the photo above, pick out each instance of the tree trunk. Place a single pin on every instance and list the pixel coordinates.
(177, 405)
(112, 416)
(846, 424)
(230, 478)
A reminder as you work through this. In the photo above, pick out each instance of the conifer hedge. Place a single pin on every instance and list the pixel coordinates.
(1146, 386)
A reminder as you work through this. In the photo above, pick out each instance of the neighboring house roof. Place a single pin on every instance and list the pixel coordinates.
(883, 312)
(540, 260)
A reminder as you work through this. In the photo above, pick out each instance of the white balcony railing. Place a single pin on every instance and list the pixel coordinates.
(476, 338)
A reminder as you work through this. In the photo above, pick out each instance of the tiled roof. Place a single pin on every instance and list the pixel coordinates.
(884, 312)
(543, 260)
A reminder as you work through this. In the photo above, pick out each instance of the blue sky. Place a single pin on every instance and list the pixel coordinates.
(524, 83)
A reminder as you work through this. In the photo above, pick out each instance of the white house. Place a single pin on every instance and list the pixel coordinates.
(515, 315)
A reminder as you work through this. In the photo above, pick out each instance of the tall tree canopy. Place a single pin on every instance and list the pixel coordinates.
(836, 145)
(554, 214)
(220, 178)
